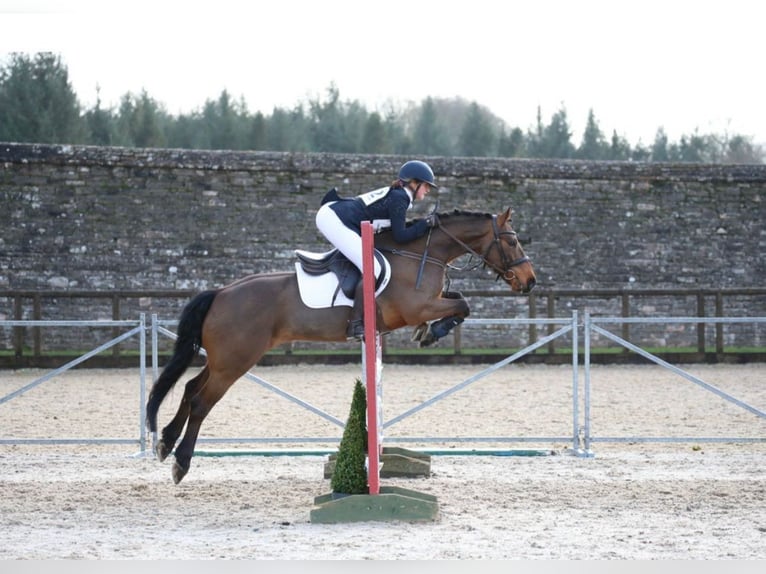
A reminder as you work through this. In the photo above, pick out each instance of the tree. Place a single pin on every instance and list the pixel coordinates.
(723, 148)
(740, 149)
(553, 141)
(593, 144)
(100, 124)
(619, 148)
(37, 103)
(428, 136)
(141, 122)
(535, 138)
(300, 130)
(278, 136)
(660, 150)
(640, 153)
(326, 120)
(477, 138)
(284, 130)
(511, 144)
(223, 122)
(692, 148)
(185, 133)
(258, 132)
(374, 139)
(354, 117)
(397, 136)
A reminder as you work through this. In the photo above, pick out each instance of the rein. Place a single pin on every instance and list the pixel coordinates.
(413, 255)
(506, 273)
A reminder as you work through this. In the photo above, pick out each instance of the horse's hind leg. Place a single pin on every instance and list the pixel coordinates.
(172, 431)
(199, 407)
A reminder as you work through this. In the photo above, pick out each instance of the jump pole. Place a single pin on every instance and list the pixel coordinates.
(388, 503)
(372, 362)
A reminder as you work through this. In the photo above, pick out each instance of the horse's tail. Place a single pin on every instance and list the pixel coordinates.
(187, 347)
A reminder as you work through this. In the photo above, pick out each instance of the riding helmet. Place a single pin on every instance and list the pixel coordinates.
(418, 170)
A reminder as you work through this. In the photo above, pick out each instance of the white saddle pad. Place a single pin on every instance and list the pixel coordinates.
(321, 291)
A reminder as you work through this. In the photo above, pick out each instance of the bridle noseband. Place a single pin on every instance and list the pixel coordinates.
(507, 271)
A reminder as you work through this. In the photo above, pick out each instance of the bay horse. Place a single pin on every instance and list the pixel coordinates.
(237, 324)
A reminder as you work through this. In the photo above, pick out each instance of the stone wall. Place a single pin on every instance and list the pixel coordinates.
(115, 218)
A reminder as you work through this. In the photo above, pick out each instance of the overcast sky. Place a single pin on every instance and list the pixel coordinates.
(681, 65)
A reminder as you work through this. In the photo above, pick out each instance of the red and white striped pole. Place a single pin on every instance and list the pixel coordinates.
(371, 362)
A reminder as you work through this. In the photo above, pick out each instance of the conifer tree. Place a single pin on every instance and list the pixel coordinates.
(350, 475)
(37, 102)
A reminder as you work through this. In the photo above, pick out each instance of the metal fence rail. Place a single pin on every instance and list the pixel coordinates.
(135, 328)
(591, 325)
(159, 327)
(582, 436)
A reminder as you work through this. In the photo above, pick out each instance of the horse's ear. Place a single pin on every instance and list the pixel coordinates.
(504, 217)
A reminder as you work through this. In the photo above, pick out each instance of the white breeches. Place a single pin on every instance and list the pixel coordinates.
(346, 240)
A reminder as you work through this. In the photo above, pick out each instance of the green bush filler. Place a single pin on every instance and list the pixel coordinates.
(396, 462)
(350, 500)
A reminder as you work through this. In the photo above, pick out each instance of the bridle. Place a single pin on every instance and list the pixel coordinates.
(506, 272)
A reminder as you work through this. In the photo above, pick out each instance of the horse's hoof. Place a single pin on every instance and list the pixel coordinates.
(419, 332)
(161, 451)
(428, 338)
(178, 472)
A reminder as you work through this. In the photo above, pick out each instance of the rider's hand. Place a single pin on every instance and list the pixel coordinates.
(432, 220)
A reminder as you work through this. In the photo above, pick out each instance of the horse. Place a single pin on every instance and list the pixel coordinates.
(238, 323)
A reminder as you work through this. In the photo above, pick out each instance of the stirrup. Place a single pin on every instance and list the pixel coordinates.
(355, 330)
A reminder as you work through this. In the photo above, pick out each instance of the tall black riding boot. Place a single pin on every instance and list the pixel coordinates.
(355, 329)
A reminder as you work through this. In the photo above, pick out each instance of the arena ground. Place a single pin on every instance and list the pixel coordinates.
(632, 500)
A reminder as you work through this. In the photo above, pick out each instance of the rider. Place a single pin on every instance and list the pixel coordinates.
(339, 220)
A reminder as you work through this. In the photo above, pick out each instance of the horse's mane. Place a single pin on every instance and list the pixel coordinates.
(457, 213)
(460, 213)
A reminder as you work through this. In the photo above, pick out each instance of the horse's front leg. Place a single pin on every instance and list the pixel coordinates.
(450, 315)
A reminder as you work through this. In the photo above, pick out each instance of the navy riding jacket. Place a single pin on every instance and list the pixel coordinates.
(381, 205)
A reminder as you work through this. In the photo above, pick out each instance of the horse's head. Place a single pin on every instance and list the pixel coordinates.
(494, 242)
(502, 251)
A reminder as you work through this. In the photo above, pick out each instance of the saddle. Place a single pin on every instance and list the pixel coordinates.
(335, 262)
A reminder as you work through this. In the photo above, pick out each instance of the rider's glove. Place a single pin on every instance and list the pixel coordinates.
(432, 220)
